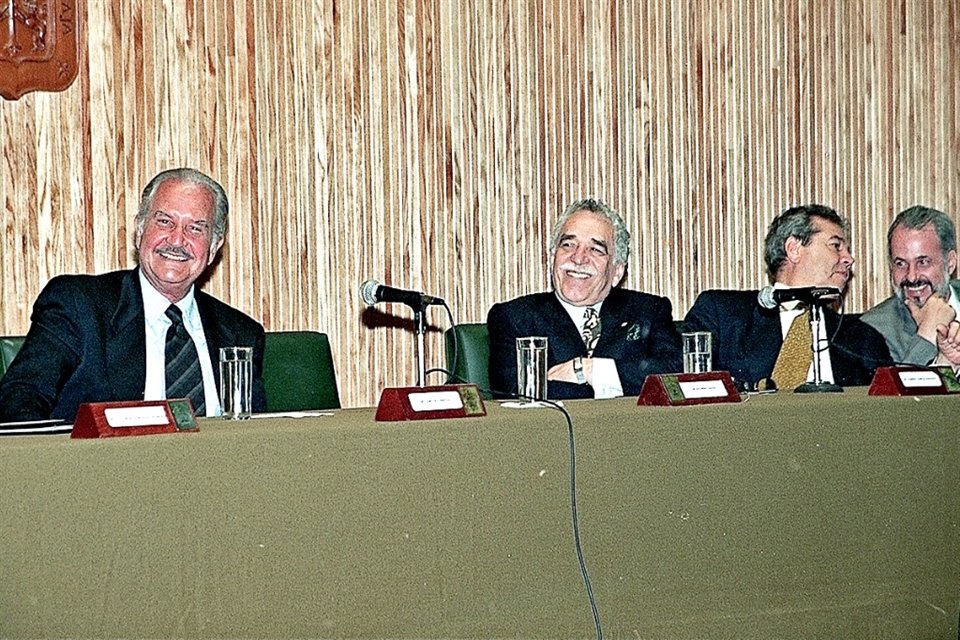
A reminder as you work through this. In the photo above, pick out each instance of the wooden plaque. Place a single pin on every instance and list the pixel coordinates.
(430, 403)
(680, 389)
(133, 418)
(913, 381)
(39, 45)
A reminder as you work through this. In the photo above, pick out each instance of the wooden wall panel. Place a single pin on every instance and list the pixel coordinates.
(431, 143)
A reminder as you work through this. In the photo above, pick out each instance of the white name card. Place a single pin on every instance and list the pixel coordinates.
(703, 389)
(435, 401)
(913, 379)
(149, 416)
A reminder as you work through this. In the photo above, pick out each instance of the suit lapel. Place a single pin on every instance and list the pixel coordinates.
(216, 334)
(905, 317)
(613, 324)
(568, 341)
(126, 343)
(763, 343)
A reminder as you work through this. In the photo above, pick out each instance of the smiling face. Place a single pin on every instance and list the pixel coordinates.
(174, 243)
(583, 260)
(918, 266)
(823, 262)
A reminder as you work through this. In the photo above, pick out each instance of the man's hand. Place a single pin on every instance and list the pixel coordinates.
(935, 312)
(563, 372)
(948, 344)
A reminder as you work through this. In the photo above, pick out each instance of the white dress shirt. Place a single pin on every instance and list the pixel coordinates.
(156, 322)
(606, 377)
(954, 302)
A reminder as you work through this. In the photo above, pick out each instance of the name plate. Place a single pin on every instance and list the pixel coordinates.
(914, 381)
(679, 389)
(430, 403)
(133, 418)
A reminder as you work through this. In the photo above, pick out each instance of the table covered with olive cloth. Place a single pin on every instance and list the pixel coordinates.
(785, 516)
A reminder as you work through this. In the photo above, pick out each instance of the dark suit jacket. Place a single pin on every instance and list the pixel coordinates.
(87, 343)
(637, 331)
(747, 338)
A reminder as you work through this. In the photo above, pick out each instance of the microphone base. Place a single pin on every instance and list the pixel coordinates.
(818, 387)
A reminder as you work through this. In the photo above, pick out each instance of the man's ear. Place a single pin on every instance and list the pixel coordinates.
(951, 262)
(792, 248)
(214, 251)
(618, 271)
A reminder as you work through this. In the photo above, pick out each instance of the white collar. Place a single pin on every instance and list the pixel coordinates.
(575, 312)
(155, 303)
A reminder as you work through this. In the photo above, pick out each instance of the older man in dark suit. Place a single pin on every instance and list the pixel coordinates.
(602, 341)
(806, 246)
(108, 337)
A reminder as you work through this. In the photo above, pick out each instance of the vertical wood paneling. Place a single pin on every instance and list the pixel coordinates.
(431, 143)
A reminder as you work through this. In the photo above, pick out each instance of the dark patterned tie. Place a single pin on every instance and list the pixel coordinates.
(796, 354)
(184, 379)
(591, 329)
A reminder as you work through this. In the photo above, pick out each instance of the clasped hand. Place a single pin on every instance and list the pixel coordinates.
(948, 343)
(937, 323)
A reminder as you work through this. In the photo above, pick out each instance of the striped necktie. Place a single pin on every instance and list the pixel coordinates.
(796, 354)
(591, 329)
(183, 376)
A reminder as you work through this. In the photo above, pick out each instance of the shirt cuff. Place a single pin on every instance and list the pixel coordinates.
(606, 379)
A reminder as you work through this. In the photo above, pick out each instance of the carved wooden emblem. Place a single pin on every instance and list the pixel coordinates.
(39, 45)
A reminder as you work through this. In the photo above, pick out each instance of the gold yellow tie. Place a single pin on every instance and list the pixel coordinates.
(796, 354)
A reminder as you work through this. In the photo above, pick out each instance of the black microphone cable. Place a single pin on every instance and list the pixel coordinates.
(574, 512)
(451, 378)
(831, 343)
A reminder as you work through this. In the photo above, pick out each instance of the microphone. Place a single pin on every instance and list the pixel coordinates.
(770, 297)
(373, 292)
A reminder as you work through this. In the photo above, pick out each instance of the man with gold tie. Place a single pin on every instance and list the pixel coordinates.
(806, 246)
(602, 340)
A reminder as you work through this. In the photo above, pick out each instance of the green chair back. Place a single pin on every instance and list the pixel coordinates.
(298, 372)
(472, 362)
(9, 348)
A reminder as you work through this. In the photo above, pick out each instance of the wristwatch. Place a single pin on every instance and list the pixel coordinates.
(578, 370)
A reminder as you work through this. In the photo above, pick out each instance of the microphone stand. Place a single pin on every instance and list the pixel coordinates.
(817, 385)
(419, 313)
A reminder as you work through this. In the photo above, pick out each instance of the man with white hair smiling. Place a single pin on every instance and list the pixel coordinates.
(602, 340)
(148, 333)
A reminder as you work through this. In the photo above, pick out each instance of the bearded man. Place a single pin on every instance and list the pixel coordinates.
(919, 322)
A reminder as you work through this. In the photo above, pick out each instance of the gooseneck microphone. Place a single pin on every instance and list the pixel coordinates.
(770, 297)
(373, 292)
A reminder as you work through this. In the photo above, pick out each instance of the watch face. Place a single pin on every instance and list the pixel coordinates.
(578, 370)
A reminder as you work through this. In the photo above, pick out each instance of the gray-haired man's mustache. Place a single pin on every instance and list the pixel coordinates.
(179, 252)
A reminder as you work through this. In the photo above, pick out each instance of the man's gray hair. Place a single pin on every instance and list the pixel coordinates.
(621, 237)
(796, 222)
(917, 217)
(191, 176)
